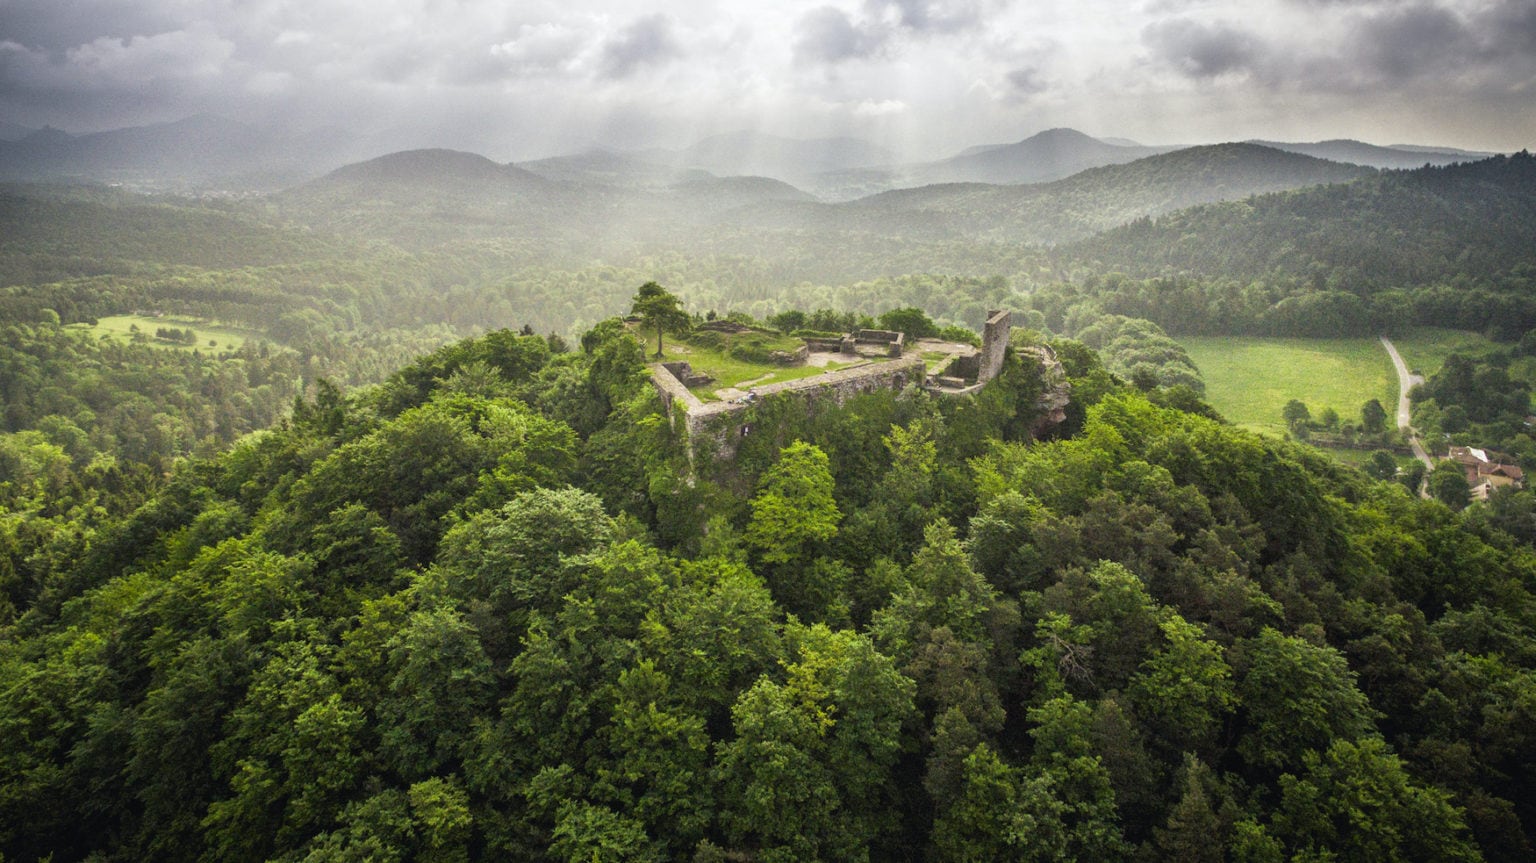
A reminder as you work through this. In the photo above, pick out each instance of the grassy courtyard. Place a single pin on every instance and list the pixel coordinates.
(728, 370)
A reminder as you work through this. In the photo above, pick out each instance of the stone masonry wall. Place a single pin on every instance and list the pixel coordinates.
(994, 344)
(723, 424)
(674, 396)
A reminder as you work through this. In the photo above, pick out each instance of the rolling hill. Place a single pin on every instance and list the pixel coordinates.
(1050, 155)
(1373, 156)
(1073, 208)
(202, 151)
(1398, 228)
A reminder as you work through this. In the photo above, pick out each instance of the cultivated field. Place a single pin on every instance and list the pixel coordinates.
(1249, 380)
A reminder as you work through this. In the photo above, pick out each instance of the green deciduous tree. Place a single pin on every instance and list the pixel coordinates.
(1295, 413)
(1296, 697)
(808, 774)
(793, 508)
(1185, 690)
(1354, 801)
(1448, 484)
(1373, 417)
(1381, 464)
(659, 310)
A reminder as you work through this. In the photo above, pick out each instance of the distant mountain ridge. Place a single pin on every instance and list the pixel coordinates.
(208, 152)
(428, 196)
(1373, 156)
(14, 131)
(193, 152)
(756, 153)
(448, 170)
(1050, 155)
(1076, 207)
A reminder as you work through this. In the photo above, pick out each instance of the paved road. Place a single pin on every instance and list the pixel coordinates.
(1406, 382)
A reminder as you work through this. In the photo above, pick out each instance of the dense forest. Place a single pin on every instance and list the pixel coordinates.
(487, 608)
(1444, 246)
(423, 569)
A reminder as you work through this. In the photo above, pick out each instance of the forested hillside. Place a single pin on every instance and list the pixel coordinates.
(1471, 220)
(489, 609)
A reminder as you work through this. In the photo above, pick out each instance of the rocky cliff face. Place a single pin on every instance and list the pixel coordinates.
(1056, 393)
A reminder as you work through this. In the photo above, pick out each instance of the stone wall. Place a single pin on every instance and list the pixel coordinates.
(892, 341)
(994, 344)
(722, 425)
(674, 396)
(795, 357)
(685, 374)
(964, 366)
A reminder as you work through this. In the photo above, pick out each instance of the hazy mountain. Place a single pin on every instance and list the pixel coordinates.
(709, 195)
(1370, 155)
(609, 168)
(418, 197)
(422, 197)
(430, 172)
(1397, 228)
(804, 164)
(1050, 155)
(758, 154)
(196, 152)
(1076, 207)
(1419, 148)
(13, 132)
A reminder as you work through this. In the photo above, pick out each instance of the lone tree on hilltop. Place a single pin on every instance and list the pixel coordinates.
(659, 309)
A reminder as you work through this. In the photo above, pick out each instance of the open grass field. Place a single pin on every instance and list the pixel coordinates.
(210, 336)
(1249, 380)
(1424, 349)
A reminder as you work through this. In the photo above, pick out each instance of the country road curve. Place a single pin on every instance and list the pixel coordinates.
(1405, 382)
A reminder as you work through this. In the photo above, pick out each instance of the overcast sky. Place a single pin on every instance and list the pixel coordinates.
(527, 78)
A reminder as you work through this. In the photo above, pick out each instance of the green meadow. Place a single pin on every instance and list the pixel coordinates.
(210, 336)
(1249, 380)
(1424, 349)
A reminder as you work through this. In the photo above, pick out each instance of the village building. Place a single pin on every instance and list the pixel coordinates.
(1486, 471)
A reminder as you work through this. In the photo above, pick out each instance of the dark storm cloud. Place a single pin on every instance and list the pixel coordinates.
(1509, 29)
(646, 42)
(1026, 81)
(56, 25)
(1490, 48)
(1365, 51)
(1405, 43)
(828, 35)
(929, 17)
(831, 35)
(923, 73)
(1204, 50)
